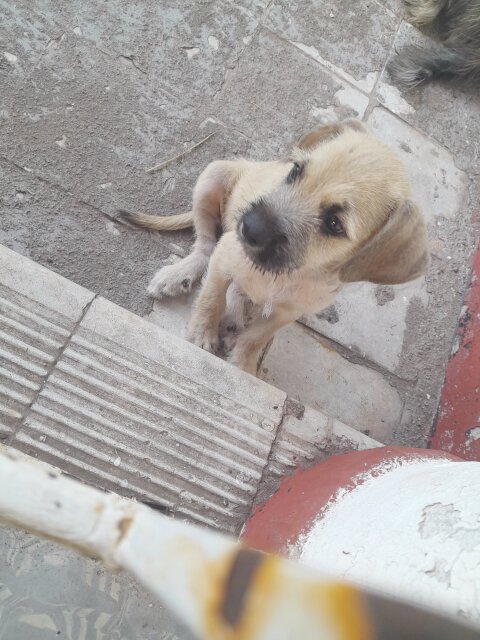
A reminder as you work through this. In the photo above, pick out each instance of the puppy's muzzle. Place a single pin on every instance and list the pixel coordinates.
(264, 241)
(259, 229)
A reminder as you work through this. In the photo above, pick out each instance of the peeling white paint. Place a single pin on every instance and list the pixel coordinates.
(392, 98)
(349, 97)
(112, 228)
(191, 52)
(54, 42)
(411, 529)
(365, 84)
(207, 121)
(324, 114)
(213, 42)
(10, 57)
(62, 142)
(473, 436)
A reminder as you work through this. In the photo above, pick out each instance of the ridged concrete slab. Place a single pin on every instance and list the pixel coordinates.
(120, 403)
(159, 418)
(38, 313)
(305, 438)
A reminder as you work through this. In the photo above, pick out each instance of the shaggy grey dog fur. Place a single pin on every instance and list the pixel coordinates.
(455, 24)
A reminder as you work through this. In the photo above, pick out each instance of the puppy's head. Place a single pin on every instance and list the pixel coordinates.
(341, 203)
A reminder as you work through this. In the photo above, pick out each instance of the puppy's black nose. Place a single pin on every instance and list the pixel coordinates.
(255, 227)
(260, 228)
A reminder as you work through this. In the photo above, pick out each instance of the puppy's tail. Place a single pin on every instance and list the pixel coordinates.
(414, 65)
(157, 223)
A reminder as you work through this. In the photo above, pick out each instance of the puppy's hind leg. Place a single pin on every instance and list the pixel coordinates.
(208, 199)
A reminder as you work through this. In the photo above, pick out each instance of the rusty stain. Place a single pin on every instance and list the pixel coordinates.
(255, 604)
(270, 592)
(123, 526)
(99, 507)
(241, 573)
(347, 608)
(262, 598)
(211, 591)
(249, 592)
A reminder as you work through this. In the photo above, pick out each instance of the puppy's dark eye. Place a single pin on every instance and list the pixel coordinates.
(331, 224)
(334, 226)
(295, 172)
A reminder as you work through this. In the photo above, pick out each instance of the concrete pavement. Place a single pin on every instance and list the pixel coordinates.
(92, 95)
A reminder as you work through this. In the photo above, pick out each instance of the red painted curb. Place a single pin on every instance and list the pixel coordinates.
(457, 428)
(277, 524)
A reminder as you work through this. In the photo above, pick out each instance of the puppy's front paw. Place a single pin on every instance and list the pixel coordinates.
(203, 336)
(172, 280)
(240, 360)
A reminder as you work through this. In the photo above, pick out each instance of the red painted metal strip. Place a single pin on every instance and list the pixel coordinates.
(458, 420)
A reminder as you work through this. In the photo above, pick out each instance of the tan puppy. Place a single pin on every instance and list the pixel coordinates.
(294, 231)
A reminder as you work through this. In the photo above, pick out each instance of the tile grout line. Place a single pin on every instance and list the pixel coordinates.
(372, 99)
(352, 356)
(424, 134)
(373, 102)
(11, 438)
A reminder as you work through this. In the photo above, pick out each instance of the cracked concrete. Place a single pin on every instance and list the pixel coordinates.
(92, 95)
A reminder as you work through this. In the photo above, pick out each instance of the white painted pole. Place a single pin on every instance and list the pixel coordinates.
(219, 589)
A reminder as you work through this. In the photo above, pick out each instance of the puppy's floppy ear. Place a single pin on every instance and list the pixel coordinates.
(327, 131)
(397, 253)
